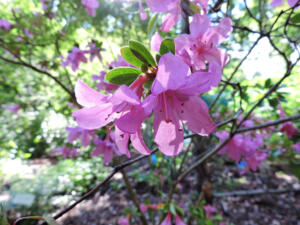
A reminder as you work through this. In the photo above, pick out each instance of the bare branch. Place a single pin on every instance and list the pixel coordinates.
(22, 63)
(255, 192)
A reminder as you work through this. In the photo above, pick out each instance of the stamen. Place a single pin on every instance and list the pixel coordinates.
(166, 108)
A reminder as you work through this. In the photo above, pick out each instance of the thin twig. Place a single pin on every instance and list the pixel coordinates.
(22, 63)
(255, 192)
(234, 72)
(273, 123)
(134, 197)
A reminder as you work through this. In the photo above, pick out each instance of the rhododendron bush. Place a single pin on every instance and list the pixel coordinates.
(180, 81)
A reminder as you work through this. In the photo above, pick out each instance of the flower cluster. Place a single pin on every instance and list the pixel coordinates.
(247, 150)
(177, 81)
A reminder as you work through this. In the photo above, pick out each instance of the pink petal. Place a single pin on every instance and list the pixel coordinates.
(85, 139)
(167, 220)
(155, 42)
(87, 96)
(171, 74)
(143, 13)
(121, 139)
(138, 143)
(170, 20)
(131, 121)
(276, 3)
(196, 84)
(74, 133)
(178, 221)
(108, 155)
(94, 117)
(162, 5)
(125, 94)
(168, 135)
(199, 25)
(195, 114)
(292, 3)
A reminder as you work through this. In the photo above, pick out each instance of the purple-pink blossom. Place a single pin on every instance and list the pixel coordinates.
(167, 220)
(143, 13)
(90, 6)
(174, 100)
(275, 3)
(28, 33)
(105, 147)
(287, 127)
(246, 148)
(155, 42)
(124, 107)
(103, 85)
(67, 152)
(209, 210)
(4, 24)
(13, 108)
(297, 147)
(94, 52)
(201, 45)
(75, 57)
(78, 132)
(124, 220)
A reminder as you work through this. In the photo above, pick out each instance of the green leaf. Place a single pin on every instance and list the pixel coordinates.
(268, 83)
(167, 45)
(151, 25)
(141, 52)
(172, 209)
(128, 55)
(3, 219)
(50, 220)
(296, 18)
(122, 75)
(273, 102)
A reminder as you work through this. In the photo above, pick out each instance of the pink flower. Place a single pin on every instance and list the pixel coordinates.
(167, 220)
(4, 24)
(297, 147)
(144, 208)
(178, 221)
(103, 85)
(124, 107)
(209, 210)
(200, 46)
(234, 147)
(13, 108)
(90, 6)
(119, 63)
(172, 7)
(27, 33)
(174, 100)
(44, 4)
(155, 42)
(124, 220)
(287, 127)
(66, 152)
(105, 147)
(76, 132)
(276, 3)
(143, 13)
(75, 57)
(94, 51)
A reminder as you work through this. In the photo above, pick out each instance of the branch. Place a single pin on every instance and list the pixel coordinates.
(270, 91)
(234, 72)
(134, 197)
(210, 153)
(272, 123)
(255, 192)
(22, 63)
